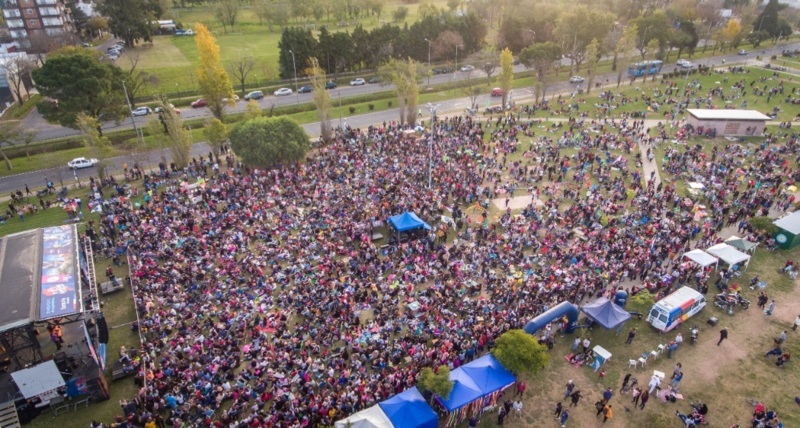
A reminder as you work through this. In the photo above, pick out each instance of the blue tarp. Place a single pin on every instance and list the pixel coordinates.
(475, 380)
(407, 221)
(606, 313)
(409, 409)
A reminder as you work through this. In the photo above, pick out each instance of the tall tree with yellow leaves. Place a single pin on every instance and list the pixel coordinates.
(322, 99)
(215, 86)
(506, 73)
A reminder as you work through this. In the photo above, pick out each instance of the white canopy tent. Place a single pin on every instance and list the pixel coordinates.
(39, 381)
(729, 255)
(701, 257)
(372, 417)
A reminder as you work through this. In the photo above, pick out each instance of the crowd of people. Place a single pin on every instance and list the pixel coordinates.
(264, 301)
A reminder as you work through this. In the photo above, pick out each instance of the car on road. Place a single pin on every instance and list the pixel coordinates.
(235, 99)
(189, 32)
(282, 92)
(161, 109)
(467, 68)
(331, 85)
(497, 92)
(199, 103)
(255, 95)
(357, 82)
(374, 80)
(79, 163)
(742, 52)
(305, 89)
(86, 45)
(142, 111)
(684, 63)
(576, 79)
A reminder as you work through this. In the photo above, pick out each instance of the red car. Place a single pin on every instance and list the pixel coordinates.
(199, 103)
(497, 92)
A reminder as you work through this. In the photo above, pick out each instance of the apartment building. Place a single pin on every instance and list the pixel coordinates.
(30, 18)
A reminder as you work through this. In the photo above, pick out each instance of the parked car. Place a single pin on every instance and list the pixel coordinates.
(142, 111)
(357, 82)
(576, 79)
(161, 109)
(86, 45)
(199, 103)
(305, 89)
(742, 52)
(374, 80)
(283, 92)
(79, 163)
(467, 68)
(684, 63)
(255, 95)
(189, 32)
(497, 92)
(331, 85)
(235, 99)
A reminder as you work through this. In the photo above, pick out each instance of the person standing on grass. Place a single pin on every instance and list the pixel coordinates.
(575, 397)
(645, 396)
(564, 417)
(599, 405)
(676, 380)
(570, 386)
(607, 394)
(771, 309)
(796, 323)
(723, 334)
(607, 413)
(636, 394)
(631, 335)
(520, 388)
(577, 342)
(559, 409)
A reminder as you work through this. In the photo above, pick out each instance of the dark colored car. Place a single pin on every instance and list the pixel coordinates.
(305, 89)
(374, 80)
(199, 103)
(331, 85)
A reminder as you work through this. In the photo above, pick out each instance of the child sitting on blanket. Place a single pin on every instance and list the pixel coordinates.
(576, 359)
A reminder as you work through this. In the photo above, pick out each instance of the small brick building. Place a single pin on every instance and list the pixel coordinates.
(734, 123)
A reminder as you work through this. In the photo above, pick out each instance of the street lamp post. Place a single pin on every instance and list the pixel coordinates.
(432, 108)
(455, 69)
(429, 62)
(294, 66)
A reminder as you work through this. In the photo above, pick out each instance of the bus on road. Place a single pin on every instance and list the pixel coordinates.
(645, 68)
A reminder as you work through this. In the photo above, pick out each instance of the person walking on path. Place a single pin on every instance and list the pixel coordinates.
(608, 414)
(631, 335)
(570, 387)
(575, 397)
(645, 396)
(564, 417)
(723, 334)
(559, 409)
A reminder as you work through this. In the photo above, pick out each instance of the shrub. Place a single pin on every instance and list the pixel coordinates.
(371, 106)
(390, 103)
(352, 109)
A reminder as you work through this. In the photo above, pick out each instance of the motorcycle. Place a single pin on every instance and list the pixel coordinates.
(693, 335)
(728, 302)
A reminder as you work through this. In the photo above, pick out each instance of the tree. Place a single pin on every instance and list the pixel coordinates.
(731, 33)
(99, 145)
(764, 223)
(322, 99)
(577, 27)
(487, 60)
(297, 46)
(641, 302)
(252, 110)
(404, 76)
(756, 37)
(136, 79)
(400, 14)
(227, 13)
(216, 133)
(157, 131)
(592, 58)
(266, 142)
(129, 20)
(240, 69)
(272, 13)
(42, 44)
(96, 25)
(768, 19)
(471, 89)
(26, 137)
(438, 383)
(18, 74)
(542, 57)
(215, 86)
(519, 352)
(74, 81)
(654, 26)
(8, 137)
(444, 46)
(506, 73)
(625, 48)
(180, 140)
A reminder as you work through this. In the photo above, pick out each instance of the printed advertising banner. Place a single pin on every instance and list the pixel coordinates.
(59, 294)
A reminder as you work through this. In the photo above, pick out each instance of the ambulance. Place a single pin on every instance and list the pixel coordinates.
(676, 308)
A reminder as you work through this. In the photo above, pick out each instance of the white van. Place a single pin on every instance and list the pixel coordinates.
(676, 308)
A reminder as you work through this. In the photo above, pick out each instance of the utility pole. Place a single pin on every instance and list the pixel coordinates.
(130, 110)
(294, 66)
(432, 108)
(429, 62)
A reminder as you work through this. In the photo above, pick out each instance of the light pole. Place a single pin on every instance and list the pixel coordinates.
(294, 66)
(130, 109)
(432, 108)
(429, 62)
(455, 69)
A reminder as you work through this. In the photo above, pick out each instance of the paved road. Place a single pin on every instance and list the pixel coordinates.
(36, 179)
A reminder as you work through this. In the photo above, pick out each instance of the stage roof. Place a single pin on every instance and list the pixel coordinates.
(39, 276)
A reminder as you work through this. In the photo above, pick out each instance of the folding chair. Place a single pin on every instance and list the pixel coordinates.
(643, 359)
(632, 363)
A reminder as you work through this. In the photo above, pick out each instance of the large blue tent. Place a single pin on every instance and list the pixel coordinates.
(476, 380)
(606, 313)
(407, 221)
(409, 409)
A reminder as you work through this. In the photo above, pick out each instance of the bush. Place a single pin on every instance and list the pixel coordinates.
(389, 103)
(764, 223)
(371, 106)
(352, 109)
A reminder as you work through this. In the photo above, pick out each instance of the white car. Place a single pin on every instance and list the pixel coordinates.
(684, 63)
(161, 110)
(79, 163)
(142, 111)
(283, 92)
(467, 68)
(742, 52)
(576, 79)
(235, 98)
(357, 82)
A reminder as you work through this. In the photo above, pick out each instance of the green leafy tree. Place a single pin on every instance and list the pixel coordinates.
(654, 26)
(487, 60)
(506, 73)
(576, 27)
(129, 20)
(296, 44)
(756, 37)
(592, 58)
(763, 223)
(542, 57)
(437, 383)
(216, 132)
(266, 142)
(404, 75)
(227, 13)
(624, 50)
(215, 86)
(8, 137)
(74, 81)
(180, 140)
(768, 19)
(519, 352)
(641, 302)
(400, 14)
(252, 110)
(322, 99)
(99, 145)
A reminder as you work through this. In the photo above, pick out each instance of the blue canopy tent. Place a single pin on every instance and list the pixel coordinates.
(476, 387)
(409, 409)
(606, 313)
(407, 221)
